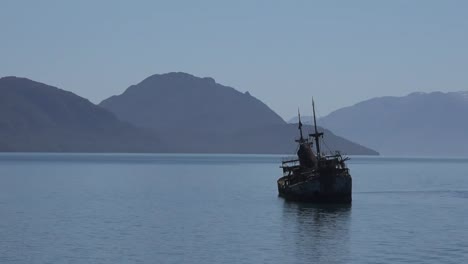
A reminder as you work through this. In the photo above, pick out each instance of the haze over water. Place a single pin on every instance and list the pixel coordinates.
(122, 208)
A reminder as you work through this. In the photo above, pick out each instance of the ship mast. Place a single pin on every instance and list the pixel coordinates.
(300, 127)
(316, 135)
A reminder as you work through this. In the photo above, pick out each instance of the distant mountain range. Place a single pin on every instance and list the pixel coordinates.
(174, 112)
(178, 112)
(193, 114)
(416, 124)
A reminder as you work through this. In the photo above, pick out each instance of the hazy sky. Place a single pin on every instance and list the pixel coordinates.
(282, 52)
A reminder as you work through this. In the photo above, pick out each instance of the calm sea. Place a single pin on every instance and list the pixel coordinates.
(125, 208)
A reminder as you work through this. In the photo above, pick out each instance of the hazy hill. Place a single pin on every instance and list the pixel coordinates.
(417, 124)
(176, 101)
(38, 117)
(195, 114)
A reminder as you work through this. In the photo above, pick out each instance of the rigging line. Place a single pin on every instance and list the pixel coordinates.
(323, 141)
(322, 125)
(322, 122)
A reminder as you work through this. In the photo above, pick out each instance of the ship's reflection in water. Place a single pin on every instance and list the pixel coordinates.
(319, 233)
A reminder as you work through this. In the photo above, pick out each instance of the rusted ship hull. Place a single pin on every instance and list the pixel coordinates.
(320, 189)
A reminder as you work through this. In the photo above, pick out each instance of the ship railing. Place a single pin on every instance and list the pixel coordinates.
(291, 159)
(290, 165)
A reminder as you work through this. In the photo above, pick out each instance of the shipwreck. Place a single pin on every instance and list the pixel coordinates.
(315, 177)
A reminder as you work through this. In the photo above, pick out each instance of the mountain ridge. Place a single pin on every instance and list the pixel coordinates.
(207, 115)
(35, 117)
(185, 88)
(415, 124)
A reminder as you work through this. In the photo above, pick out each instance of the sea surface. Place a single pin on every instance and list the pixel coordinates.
(146, 208)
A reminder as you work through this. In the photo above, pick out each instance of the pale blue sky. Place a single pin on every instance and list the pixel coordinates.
(283, 52)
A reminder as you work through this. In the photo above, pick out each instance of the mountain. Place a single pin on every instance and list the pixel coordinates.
(195, 114)
(306, 120)
(39, 117)
(182, 101)
(416, 124)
